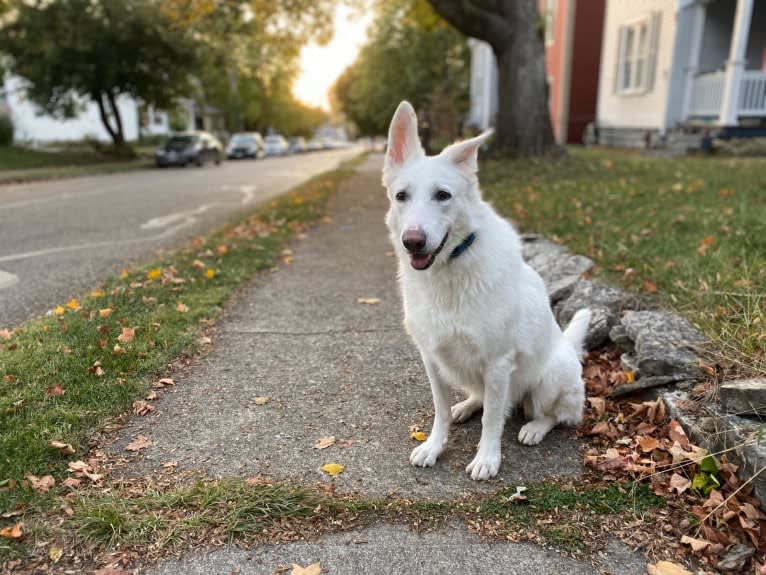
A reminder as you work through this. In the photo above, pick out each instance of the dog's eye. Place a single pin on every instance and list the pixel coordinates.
(401, 196)
(442, 195)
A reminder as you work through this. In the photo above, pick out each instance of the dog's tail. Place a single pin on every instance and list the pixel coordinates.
(577, 329)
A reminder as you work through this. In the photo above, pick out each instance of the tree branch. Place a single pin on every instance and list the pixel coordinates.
(117, 118)
(104, 116)
(475, 18)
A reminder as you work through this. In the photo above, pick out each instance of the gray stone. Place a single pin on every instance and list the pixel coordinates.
(619, 336)
(628, 362)
(716, 431)
(560, 271)
(643, 384)
(663, 343)
(744, 397)
(736, 557)
(606, 303)
(535, 244)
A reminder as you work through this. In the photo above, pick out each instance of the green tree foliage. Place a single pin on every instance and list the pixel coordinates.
(248, 54)
(71, 51)
(413, 54)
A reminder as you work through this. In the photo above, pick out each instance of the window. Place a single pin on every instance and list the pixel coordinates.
(636, 55)
(550, 21)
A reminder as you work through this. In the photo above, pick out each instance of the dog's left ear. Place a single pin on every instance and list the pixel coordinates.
(465, 154)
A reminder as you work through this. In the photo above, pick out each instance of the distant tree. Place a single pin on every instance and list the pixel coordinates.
(70, 51)
(512, 28)
(412, 54)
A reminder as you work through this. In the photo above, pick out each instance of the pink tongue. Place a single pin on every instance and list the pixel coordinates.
(419, 261)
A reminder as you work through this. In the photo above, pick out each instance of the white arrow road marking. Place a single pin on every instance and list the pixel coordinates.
(7, 279)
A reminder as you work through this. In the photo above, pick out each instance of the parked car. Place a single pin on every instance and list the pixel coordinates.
(274, 145)
(297, 145)
(245, 145)
(315, 144)
(189, 148)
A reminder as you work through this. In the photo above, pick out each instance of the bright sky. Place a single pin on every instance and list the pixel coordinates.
(321, 65)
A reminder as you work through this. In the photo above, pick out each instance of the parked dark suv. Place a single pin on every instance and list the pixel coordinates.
(189, 148)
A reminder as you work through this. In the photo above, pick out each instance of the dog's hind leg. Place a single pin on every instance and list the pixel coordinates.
(466, 408)
(533, 432)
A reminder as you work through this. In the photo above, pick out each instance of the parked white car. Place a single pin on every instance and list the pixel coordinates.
(274, 145)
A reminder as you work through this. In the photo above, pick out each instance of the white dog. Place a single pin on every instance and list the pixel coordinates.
(478, 313)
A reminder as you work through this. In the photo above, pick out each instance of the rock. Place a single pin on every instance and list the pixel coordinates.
(642, 385)
(619, 336)
(535, 244)
(736, 557)
(662, 341)
(717, 431)
(560, 271)
(744, 397)
(604, 301)
(628, 362)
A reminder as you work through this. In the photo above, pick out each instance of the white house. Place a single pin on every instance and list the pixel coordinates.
(668, 64)
(34, 127)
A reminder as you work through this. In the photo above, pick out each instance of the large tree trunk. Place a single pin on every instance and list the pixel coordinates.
(523, 116)
(99, 98)
(523, 125)
(119, 141)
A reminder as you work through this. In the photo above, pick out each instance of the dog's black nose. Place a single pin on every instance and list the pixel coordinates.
(414, 240)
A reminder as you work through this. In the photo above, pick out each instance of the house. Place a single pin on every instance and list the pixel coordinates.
(572, 64)
(669, 67)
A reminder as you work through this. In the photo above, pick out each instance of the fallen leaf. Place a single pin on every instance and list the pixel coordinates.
(117, 350)
(140, 407)
(41, 484)
(677, 433)
(313, 569)
(649, 286)
(55, 553)
(182, 307)
(368, 300)
(346, 444)
(648, 444)
(518, 495)
(324, 442)
(71, 482)
(55, 390)
(262, 400)
(58, 310)
(152, 395)
(154, 273)
(598, 404)
(6, 334)
(65, 448)
(705, 245)
(333, 468)
(139, 443)
(15, 532)
(106, 312)
(97, 293)
(696, 544)
(222, 250)
(209, 273)
(418, 435)
(111, 571)
(165, 381)
(127, 335)
(73, 304)
(679, 483)
(666, 568)
(630, 377)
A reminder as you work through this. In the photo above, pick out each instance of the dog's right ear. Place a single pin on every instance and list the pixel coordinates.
(403, 142)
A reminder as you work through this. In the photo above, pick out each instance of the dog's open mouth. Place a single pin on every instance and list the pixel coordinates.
(423, 261)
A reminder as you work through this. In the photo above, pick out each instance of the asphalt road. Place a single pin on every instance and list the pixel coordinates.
(60, 238)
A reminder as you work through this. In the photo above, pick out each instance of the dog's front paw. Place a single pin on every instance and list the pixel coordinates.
(485, 465)
(425, 454)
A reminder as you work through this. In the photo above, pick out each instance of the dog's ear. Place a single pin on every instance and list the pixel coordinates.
(403, 142)
(465, 154)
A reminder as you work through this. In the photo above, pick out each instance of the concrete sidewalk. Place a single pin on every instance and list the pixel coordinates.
(334, 366)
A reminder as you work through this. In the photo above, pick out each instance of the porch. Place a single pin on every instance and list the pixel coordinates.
(726, 73)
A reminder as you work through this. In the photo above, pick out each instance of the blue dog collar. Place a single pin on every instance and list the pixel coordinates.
(463, 246)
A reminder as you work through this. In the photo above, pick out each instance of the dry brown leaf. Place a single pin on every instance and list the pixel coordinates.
(598, 404)
(679, 483)
(696, 544)
(182, 307)
(140, 407)
(152, 395)
(55, 553)
(139, 443)
(705, 245)
(677, 433)
(6, 334)
(666, 568)
(165, 381)
(649, 286)
(368, 300)
(15, 532)
(313, 569)
(648, 444)
(41, 484)
(55, 390)
(65, 448)
(105, 312)
(127, 335)
(324, 442)
(262, 400)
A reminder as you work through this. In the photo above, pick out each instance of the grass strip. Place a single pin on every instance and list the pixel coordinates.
(690, 231)
(64, 375)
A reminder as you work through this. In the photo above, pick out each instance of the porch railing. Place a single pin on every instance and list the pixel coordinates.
(752, 94)
(707, 94)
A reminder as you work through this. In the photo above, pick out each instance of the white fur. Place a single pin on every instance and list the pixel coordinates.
(482, 321)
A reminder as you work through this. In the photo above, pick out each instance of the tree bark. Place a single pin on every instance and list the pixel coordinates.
(99, 98)
(119, 141)
(523, 125)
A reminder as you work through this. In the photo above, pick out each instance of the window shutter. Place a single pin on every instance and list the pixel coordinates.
(620, 59)
(654, 43)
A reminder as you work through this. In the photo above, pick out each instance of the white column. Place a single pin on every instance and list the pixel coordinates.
(697, 20)
(736, 63)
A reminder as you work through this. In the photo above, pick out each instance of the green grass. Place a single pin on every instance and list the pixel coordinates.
(654, 216)
(167, 303)
(23, 164)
